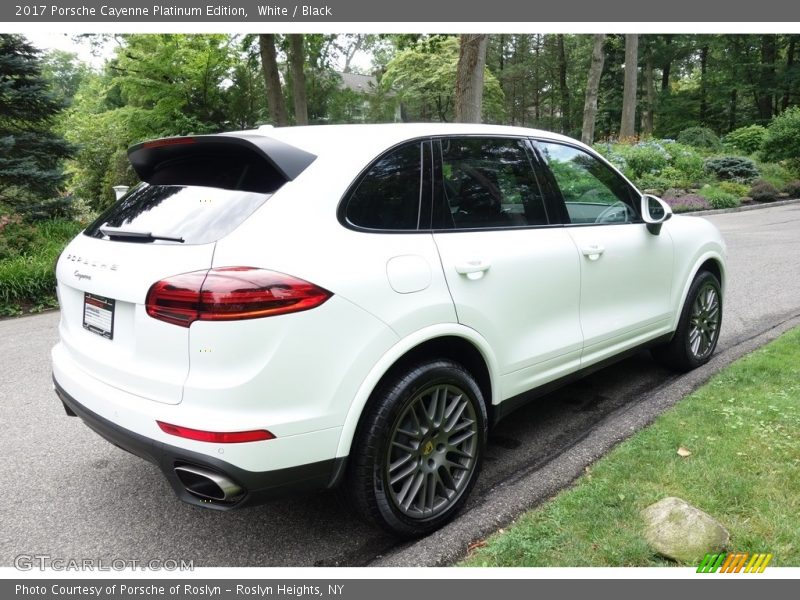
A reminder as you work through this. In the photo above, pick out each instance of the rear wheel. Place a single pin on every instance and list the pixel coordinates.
(698, 329)
(418, 451)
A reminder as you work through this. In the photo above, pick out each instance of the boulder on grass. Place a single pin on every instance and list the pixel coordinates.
(676, 529)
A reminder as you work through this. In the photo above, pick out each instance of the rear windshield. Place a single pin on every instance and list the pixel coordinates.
(195, 214)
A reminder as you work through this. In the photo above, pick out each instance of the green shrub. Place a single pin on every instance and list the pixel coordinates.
(659, 164)
(611, 152)
(737, 189)
(56, 233)
(763, 191)
(782, 141)
(83, 213)
(724, 201)
(686, 161)
(668, 178)
(775, 173)
(734, 168)
(793, 188)
(656, 183)
(27, 278)
(718, 198)
(747, 139)
(700, 137)
(690, 166)
(644, 157)
(8, 219)
(52, 208)
(16, 238)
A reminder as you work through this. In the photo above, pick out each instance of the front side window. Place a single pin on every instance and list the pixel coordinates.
(592, 191)
(489, 183)
(388, 195)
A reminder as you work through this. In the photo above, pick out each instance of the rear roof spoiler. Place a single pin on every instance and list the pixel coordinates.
(147, 158)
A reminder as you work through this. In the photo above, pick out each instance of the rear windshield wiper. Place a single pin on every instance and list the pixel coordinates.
(137, 236)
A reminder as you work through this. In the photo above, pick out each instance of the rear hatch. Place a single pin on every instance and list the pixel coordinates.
(195, 191)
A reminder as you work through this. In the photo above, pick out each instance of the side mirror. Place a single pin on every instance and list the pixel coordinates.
(655, 212)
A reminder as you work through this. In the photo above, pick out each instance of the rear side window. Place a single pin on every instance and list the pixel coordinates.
(388, 196)
(489, 183)
(195, 214)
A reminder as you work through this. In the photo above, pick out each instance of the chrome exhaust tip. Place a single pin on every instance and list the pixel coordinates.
(208, 485)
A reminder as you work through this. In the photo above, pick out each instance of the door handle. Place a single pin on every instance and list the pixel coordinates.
(592, 251)
(473, 269)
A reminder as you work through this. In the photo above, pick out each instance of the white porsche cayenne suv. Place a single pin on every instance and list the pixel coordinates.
(356, 305)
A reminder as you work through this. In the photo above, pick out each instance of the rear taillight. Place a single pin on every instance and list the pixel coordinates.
(217, 437)
(230, 294)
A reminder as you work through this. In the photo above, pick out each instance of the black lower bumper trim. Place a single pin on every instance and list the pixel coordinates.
(259, 486)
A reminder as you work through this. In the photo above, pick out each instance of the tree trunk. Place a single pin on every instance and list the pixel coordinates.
(537, 92)
(592, 87)
(703, 84)
(666, 67)
(469, 78)
(767, 86)
(297, 58)
(787, 91)
(649, 94)
(269, 65)
(733, 100)
(627, 128)
(562, 83)
(351, 51)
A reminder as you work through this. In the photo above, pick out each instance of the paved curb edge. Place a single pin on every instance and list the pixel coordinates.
(722, 211)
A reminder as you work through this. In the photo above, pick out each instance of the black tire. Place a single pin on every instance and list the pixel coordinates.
(399, 453)
(698, 328)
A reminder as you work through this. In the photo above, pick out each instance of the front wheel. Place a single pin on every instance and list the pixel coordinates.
(418, 451)
(698, 328)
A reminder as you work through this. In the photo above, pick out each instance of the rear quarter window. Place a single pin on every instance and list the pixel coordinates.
(388, 195)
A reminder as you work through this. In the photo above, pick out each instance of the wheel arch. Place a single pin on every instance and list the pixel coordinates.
(710, 261)
(713, 266)
(455, 342)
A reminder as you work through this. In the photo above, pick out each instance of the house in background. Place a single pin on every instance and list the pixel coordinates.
(362, 101)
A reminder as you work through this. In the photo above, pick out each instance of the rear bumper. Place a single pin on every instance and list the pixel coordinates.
(258, 486)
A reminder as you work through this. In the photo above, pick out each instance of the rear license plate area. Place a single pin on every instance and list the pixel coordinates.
(98, 315)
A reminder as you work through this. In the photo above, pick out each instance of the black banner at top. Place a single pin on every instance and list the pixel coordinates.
(367, 11)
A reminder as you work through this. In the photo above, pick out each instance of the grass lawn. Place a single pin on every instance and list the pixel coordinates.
(27, 282)
(743, 432)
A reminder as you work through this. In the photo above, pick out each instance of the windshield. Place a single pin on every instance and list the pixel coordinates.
(195, 214)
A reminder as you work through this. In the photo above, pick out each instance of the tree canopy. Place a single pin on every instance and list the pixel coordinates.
(156, 85)
(423, 76)
(30, 151)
